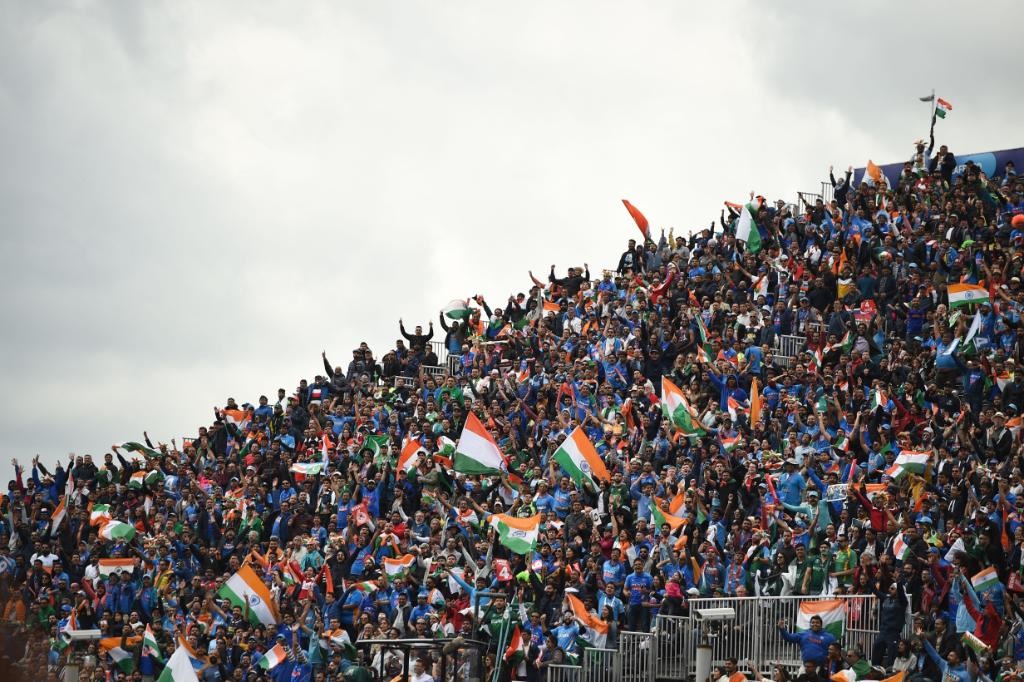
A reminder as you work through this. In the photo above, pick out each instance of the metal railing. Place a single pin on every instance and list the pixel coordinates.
(636, 657)
(791, 345)
(563, 673)
(599, 665)
(753, 633)
(828, 192)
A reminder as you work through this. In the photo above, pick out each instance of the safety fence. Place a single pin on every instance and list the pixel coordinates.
(746, 628)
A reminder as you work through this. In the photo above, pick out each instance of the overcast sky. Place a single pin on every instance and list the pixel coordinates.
(197, 198)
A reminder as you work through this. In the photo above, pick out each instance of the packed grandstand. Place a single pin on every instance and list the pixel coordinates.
(814, 409)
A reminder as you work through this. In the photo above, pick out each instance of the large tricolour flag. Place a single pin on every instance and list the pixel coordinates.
(831, 611)
(677, 408)
(245, 587)
(398, 568)
(457, 309)
(746, 228)
(965, 294)
(519, 535)
(915, 462)
(577, 456)
(476, 452)
(179, 668)
(117, 531)
(410, 455)
(109, 566)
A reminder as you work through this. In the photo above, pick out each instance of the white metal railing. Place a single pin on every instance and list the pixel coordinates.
(753, 633)
(563, 673)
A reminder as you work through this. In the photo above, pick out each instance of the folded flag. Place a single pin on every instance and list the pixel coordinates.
(831, 611)
(966, 294)
(457, 309)
(117, 531)
(245, 587)
(273, 657)
(476, 452)
(519, 535)
(972, 641)
(396, 569)
(109, 566)
(578, 457)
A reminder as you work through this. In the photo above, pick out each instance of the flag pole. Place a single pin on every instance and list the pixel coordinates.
(931, 130)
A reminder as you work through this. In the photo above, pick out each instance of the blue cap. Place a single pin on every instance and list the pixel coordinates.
(925, 519)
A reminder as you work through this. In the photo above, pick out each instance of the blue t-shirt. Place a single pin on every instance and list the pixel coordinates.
(636, 583)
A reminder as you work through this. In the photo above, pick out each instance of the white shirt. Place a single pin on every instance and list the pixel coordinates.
(47, 559)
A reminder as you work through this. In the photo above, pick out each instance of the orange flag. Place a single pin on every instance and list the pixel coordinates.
(755, 402)
(638, 217)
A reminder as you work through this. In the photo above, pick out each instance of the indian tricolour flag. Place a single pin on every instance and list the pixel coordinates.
(677, 409)
(900, 548)
(515, 652)
(150, 645)
(577, 456)
(118, 531)
(985, 580)
(942, 107)
(306, 468)
(123, 659)
(914, 462)
(702, 329)
(410, 455)
(831, 611)
(735, 408)
(396, 569)
(179, 667)
(965, 294)
(519, 535)
(457, 309)
(746, 229)
(879, 399)
(59, 514)
(661, 517)
(137, 480)
(245, 587)
(476, 452)
(99, 514)
(109, 566)
(273, 658)
(239, 418)
(848, 675)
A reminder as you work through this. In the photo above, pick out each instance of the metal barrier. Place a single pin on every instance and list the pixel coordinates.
(791, 345)
(563, 673)
(753, 633)
(636, 657)
(828, 192)
(599, 665)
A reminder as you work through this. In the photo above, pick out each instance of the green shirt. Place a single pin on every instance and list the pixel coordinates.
(845, 560)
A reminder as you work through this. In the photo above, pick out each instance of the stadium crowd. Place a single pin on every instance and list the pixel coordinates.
(882, 456)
